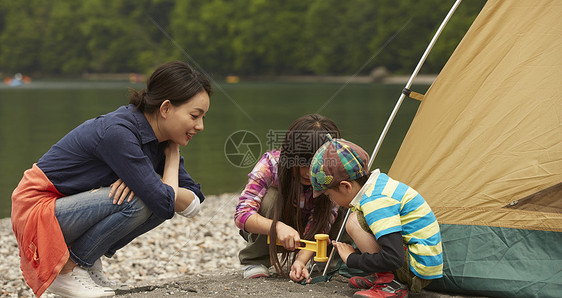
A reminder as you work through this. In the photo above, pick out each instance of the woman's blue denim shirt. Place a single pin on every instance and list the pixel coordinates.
(120, 144)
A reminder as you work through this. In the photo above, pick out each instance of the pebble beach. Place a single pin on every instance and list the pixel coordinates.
(178, 248)
(195, 257)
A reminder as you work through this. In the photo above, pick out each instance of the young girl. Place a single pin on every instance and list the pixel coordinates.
(277, 201)
(108, 181)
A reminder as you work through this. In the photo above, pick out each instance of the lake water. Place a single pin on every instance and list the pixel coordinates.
(36, 116)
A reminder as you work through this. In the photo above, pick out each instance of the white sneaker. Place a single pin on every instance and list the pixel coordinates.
(97, 275)
(255, 271)
(78, 284)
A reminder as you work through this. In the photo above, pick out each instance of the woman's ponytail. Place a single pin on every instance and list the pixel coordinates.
(138, 99)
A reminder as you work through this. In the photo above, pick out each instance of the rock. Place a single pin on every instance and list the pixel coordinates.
(379, 73)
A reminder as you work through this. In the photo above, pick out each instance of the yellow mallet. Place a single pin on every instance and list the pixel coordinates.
(320, 246)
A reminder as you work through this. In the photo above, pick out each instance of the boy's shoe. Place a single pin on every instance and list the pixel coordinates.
(78, 283)
(393, 289)
(366, 282)
(97, 275)
(255, 271)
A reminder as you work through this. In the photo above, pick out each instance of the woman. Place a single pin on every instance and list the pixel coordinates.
(108, 181)
(278, 202)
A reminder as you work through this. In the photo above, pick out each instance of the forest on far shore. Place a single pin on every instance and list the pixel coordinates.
(242, 37)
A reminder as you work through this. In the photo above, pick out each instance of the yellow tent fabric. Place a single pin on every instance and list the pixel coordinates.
(489, 131)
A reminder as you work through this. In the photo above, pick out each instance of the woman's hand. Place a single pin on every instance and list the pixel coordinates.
(172, 150)
(298, 271)
(289, 237)
(119, 192)
(344, 250)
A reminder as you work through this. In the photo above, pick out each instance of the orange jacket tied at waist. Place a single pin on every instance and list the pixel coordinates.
(43, 251)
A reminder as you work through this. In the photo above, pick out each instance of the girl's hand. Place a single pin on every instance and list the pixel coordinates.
(289, 237)
(119, 192)
(298, 271)
(344, 250)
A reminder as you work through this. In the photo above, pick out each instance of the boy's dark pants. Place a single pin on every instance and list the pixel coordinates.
(404, 274)
(257, 250)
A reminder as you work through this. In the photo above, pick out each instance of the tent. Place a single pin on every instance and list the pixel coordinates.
(485, 151)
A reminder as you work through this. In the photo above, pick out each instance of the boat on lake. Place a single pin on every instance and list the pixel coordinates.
(17, 80)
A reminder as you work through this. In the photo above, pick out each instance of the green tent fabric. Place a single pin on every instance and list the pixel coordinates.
(485, 151)
(503, 262)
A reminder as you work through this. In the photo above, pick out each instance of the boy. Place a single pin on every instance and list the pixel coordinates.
(392, 225)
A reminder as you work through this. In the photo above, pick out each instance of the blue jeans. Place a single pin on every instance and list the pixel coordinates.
(93, 226)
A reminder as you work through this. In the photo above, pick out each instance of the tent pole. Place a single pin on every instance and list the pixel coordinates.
(409, 84)
(395, 111)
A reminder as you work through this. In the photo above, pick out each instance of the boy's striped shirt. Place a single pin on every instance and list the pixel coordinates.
(391, 206)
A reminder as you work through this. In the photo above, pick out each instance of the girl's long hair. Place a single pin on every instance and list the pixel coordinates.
(304, 137)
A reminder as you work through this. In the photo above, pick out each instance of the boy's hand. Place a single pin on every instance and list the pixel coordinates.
(344, 250)
(298, 271)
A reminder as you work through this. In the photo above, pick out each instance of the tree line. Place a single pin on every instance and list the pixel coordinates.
(242, 37)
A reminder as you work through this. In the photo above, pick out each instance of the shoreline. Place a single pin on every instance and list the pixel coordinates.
(134, 78)
(426, 79)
